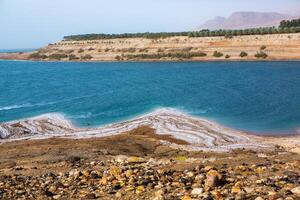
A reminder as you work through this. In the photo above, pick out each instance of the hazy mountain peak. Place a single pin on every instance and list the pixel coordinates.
(241, 20)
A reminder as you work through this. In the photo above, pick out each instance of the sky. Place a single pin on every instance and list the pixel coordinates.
(35, 23)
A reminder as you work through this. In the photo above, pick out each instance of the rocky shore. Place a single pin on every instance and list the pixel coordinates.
(140, 164)
(162, 155)
(123, 177)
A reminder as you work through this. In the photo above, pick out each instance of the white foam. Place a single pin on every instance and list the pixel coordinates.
(14, 107)
(201, 134)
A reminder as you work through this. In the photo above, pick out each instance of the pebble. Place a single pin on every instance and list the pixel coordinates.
(127, 177)
(296, 190)
(197, 191)
(213, 179)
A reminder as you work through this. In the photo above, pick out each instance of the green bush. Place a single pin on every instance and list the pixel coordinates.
(263, 47)
(160, 50)
(179, 55)
(243, 54)
(38, 56)
(87, 57)
(80, 51)
(290, 23)
(58, 56)
(228, 36)
(73, 57)
(261, 54)
(217, 54)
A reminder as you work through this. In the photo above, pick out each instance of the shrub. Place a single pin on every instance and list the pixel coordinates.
(91, 49)
(118, 57)
(228, 36)
(143, 50)
(179, 55)
(131, 50)
(261, 54)
(227, 56)
(263, 47)
(87, 57)
(217, 54)
(37, 56)
(73, 57)
(58, 56)
(243, 54)
(80, 51)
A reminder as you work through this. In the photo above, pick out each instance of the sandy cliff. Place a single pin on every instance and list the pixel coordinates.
(276, 47)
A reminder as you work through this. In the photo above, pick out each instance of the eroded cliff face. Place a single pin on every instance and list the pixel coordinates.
(269, 47)
(279, 46)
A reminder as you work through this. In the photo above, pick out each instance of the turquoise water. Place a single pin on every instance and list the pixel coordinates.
(261, 97)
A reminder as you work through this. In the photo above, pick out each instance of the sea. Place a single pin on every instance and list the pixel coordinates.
(256, 97)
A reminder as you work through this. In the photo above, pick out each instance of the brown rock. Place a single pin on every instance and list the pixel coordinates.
(213, 179)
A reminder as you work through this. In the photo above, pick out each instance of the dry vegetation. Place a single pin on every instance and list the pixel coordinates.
(253, 47)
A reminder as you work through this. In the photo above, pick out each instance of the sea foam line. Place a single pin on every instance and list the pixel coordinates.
(199, 133)
(15, 107)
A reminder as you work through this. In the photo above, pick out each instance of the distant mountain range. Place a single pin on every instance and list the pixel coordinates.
(242, 20)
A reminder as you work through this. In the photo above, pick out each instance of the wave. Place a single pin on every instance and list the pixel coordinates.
(28, 105)
(12, 107)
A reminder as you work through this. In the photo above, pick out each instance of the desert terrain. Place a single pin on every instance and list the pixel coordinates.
(255, 47)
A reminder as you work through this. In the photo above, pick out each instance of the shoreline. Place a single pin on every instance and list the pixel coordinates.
(201, 134)
(73, 123)
(157, 60)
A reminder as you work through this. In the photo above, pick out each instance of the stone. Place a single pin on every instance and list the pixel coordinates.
(213, 179)
(259, 198)
(115, 171)
(56, 196)
(128, 173)
(158, 195)
(118, 195)
(197, 191)
(20, 192)
(236, 189)
(86, 173)
(18, 168)
(129, 189)
(94, 175)
(121, 158)
(139, 189)
(186, 198)
(135, 159)
(103, 181)
(296, 190)
(208, 168)
(52, 189)
(249, 190)
(190, 174)
(74, 159)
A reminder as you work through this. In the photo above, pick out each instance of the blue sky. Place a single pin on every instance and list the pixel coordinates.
(35, 23)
